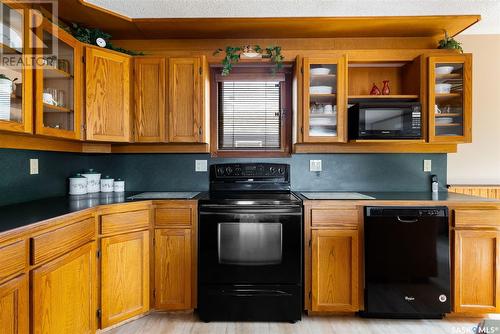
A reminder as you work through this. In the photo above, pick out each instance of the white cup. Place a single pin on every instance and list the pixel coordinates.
(328, 109)
(48, 98)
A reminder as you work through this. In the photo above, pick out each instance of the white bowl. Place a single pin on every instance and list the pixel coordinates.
(320, 71)
(444, 120)
(443, 70)
(443, 88)
(320, 89)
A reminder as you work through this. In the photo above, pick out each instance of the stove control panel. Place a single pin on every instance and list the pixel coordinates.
(250, 170)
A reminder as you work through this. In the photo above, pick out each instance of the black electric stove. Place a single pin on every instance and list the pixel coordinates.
(250, 245)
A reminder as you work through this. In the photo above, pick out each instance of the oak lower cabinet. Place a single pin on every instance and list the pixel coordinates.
(108, 93)
(64, 293)
(124, 277)
(14, 297)
(477, 271)
(335, 273)
(173, 269)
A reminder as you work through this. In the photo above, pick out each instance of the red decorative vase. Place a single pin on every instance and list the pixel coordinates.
(375, 90)
(386, 90)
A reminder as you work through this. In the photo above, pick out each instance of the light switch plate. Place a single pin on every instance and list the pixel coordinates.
(315, 166)
(427, 165)
(201, 166)
(33, 166)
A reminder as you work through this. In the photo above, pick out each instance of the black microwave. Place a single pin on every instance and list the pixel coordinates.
(385, 120)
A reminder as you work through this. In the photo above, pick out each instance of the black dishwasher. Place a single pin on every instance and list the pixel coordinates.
(407, 262)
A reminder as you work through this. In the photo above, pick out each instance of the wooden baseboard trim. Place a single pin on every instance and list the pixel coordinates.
(107, 329)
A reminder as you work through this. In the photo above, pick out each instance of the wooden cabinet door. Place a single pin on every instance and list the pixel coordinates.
(64, 293)
(185, 100)
(149, 93)
(124, 277)
(335, 270)
(450, 109)
(107, 95)
(14, 318)
(173, 269)
(477, 268)
(16, 107)
(59, 114)
(324, 116)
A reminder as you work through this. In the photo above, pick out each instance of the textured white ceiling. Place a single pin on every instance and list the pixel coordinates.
(488, 9)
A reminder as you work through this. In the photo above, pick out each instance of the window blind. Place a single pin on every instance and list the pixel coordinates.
(249, 115)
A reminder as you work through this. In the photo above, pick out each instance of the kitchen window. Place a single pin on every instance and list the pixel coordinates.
(251, 114)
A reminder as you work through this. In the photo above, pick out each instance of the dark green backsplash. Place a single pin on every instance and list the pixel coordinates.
(17, 185)
(156, 172)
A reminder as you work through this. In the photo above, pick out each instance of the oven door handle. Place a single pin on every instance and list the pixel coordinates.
(231, 210)
(254, 293)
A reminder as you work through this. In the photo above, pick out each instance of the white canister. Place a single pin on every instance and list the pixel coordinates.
(119, 186)
(107, 184)
(77, 185)
(93, 178)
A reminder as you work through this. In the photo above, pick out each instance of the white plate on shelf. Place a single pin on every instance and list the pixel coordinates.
(443, 88)
(320, 71)
(442, 70)
(322, 121)
(320, 90)
(322, 131)
(444, 120)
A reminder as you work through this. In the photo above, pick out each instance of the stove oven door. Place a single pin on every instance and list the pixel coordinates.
(249, 245)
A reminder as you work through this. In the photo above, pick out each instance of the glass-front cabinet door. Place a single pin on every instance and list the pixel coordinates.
(450, 98)
(16, 76)
(324, 108)
(58, 83)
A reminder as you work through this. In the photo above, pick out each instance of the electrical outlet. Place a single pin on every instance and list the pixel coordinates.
(315, 165)
(427, 165)
(33, 166)
(200, 166)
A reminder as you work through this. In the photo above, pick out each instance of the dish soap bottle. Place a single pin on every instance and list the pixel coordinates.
(434, 183)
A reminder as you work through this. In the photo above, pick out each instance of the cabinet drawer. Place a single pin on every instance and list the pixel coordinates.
(348, 218)
(12, 259)
(174, 216)
(58, 242)
(124, 221)
(477, 218)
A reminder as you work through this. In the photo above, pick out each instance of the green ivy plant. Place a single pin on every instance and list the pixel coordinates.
(450, 43)
(90, 36)
(232, 56)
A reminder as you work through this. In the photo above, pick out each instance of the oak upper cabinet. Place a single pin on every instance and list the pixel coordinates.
(107, 95)
(450, 99)
(324, 100)
(188, 100)
(335, 275)
(64, 294)
(477, 268)
(149, 95)
(173, 269)
(59, 84)
(16, 80)
(124, 277)
(14, 297)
